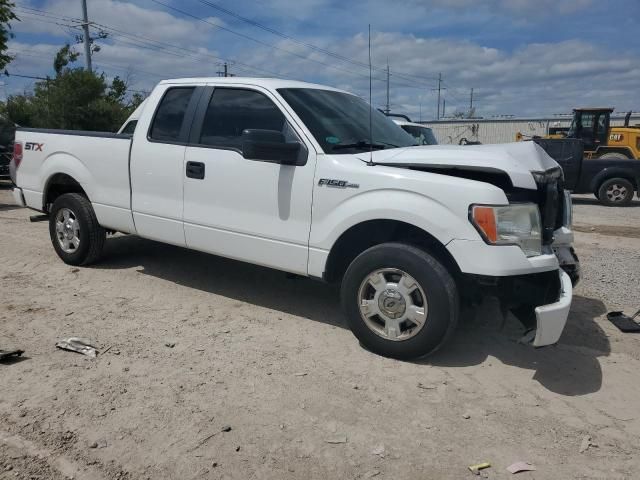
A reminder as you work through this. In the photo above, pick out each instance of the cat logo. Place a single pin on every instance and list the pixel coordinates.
(616, 137)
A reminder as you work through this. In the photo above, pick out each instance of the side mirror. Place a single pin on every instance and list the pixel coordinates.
(269, 146)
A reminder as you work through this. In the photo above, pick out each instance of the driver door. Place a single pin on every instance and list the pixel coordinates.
(251, 210)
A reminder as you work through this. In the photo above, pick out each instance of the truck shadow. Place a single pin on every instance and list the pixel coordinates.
(570, 368)
(241, 281)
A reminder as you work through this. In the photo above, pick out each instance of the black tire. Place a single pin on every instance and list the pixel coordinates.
(611, 196)
(91, 234)
(442, 299)
(614, 156)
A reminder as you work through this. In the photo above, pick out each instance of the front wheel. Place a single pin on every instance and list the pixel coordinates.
(76, 235)
(615, 192)
(399, 301)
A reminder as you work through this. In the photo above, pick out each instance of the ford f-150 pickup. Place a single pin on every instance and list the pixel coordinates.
(311, 180)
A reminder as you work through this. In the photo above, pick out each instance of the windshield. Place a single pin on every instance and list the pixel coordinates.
(423, 135)
(340, 121)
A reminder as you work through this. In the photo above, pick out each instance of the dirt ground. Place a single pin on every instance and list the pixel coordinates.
(269, 357)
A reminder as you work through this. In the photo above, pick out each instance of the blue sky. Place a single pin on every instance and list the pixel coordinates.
(522, 57)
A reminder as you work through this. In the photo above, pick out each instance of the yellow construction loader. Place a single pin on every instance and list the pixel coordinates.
(601, 140)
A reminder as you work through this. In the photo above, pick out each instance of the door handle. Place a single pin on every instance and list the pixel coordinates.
(195, 170)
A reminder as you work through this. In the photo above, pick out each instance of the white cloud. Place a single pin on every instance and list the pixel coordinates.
(530, 79)
(125, 16)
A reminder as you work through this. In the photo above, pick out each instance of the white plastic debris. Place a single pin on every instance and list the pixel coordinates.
(79, 345)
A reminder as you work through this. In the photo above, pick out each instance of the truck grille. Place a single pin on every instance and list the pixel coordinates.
(551, 204)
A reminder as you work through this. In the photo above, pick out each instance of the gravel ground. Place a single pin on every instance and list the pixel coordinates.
(192, 344)
(609, 253)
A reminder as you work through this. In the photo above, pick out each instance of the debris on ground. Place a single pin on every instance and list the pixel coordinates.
(586, 444)
(170, 344)
(337, 439)
(466, 416)
(372, 473)
(521, 467)
(475, 469)
(226, 428)
(300, 374)
(79, 345)
(379, 451)
(8, 354)
(426, 387)
(624, 323)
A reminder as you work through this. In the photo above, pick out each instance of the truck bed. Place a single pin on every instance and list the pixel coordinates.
(99, 161)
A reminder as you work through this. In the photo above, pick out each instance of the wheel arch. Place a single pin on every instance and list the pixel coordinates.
(366, 234)
(627, 151)
(64, 173)
(58, 184)
(609, 173)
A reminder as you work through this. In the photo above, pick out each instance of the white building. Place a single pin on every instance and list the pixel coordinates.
(504, 130)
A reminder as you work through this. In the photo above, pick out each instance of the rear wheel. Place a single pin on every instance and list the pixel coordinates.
(76, 235)
(399, 301)
(615, 192)
(614, 156)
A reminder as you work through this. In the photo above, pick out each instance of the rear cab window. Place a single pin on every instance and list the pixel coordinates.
(168, 120)
(130, 127)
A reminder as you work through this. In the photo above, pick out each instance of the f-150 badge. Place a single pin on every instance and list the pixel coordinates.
(331, 182)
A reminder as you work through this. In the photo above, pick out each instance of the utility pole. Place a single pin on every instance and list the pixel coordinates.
(225, 72)
(439, 89)
(87, 38)
(444, 107)
(471, 104)
(388, 108)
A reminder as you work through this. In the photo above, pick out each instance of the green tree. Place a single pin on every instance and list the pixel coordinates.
(74, 99)
(6, 16)
(64, 57)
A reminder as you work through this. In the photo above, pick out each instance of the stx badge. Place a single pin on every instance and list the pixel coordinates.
(331, 182)
(36, 147)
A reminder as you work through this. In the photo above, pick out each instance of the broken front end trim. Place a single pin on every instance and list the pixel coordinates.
(541, 301)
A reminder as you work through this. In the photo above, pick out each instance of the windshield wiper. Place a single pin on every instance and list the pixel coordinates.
(361, 144)
(391, 145)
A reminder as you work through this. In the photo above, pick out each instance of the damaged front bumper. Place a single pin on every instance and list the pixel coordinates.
(541, 301)
(551, 319)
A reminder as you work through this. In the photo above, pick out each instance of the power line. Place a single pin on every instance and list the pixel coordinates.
(170, 49)
(151, 44)
(300, 42)
(51, 15)
(266, 44)
(33, 77)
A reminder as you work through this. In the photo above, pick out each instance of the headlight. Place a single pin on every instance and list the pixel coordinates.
(516, 224)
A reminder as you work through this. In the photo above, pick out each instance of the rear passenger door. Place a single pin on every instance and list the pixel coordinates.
(156, 165)
(253, 210)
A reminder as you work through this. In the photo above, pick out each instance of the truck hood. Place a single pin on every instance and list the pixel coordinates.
(517, 160)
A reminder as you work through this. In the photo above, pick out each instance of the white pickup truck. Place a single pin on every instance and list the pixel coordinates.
(310, 180)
